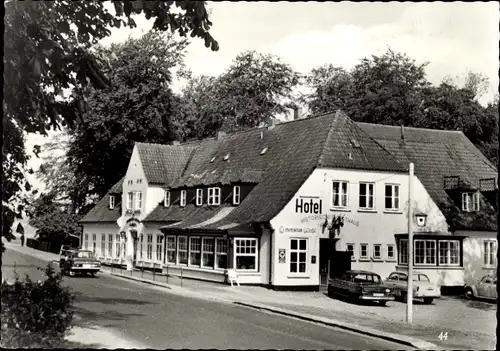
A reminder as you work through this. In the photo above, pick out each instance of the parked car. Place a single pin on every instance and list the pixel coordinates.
(423, 289)
(486, 288)
(63, 254)
(360, 285)
(81, 261)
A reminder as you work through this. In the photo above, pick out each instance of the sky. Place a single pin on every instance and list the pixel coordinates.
(453, 37)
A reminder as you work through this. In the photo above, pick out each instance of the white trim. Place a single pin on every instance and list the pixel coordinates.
(130, 200)
(182, 201)
(353, 256)
(214, 195)
(361, 257)
(203, 252)
(199, 197)
(393, 197)
(253, 244)
(179, 250)
(400, 251)
(220, 253)
(166, 198)
(341, 194)
(389, 258)
(489, 251)
(448, 253)
(236, 195)
(170, 249)
(425, 241)
(191, 251)
(298, 251)
(367, 196)
(159, 237)
(111, 202)
(149, 247)
(379, 257)
(138, 200)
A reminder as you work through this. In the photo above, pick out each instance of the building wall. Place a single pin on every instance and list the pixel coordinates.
(474, 251)
(153, 197)
(360, 226)
(134, 173)
(98, 229)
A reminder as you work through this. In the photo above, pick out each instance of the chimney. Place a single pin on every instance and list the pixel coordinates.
(175, 143)
(297, 112)
(402, 133)
(220, 135)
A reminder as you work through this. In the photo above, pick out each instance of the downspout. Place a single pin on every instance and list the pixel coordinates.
(271, 263)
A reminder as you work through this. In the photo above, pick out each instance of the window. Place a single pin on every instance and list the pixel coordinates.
(298, 255)
(390, 252)
(149, 247)
(141, 247)
(214, 196)
(403, 251)
(103, 244)
(182, 250)
(350, 249)
(425, 252)
(339, 194)
(183, 198)
(110, 245)
(449, 252)
(171, 249)
(377, 251)
(139, 181)
(118, 245)
(124, 247)
(392, 197)
(490, 253)
(111, 202)
(363, 251)
(166, 199)
(207, 259)
(245, 254)
(236, 195)
(470, 202)
(220, 253)
(86, 242)
(199, 197)
(130, 201)
(159, 247)
(130, 182)
(194, 251)
(366, 196)
(138, 200)
(94, 243)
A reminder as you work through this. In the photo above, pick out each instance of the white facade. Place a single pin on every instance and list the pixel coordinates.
(480, 254)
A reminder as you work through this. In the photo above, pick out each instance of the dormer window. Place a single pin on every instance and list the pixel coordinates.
(111, 202)
(214, 196)
(470, 202)
(236, 195)
(183, 198)
(199, 197)
(166, 199)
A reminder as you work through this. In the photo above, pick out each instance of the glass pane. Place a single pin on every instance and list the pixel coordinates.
(396, 191)
(362, 189)
(303, 244)
(370, 201)
(183, 257)
(171, 256)
(302, 257)
(388, 191)
(293, 257)
(302, 267)
(208, 260)
(388, 202)
(221, 261)
(245, 262)
(293, 244)
(195, 258)
(362, 201)
(293, 267)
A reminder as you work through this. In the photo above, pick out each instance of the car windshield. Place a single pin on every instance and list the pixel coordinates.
(366, 278)
(84, 254)
(421, 277)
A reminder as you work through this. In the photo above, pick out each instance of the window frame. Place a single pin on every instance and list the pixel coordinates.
(448, 252)
(393, 197)
(236, 195)
(149, 247)
(166, 198)
(191, 251)
(365, 257)
(353, 256)
(169, 248)
(207, 252)
(214, 196)
(103, 245)
(415, 241)
(141, 247)
(298, 251)
(183, 198)
(389, 258)
(490, 253)
(111, 202)
(110, 245)
(367, 196)
(340, 194)
(138, 201)
(221, 253)
(118, 246)
(130, 200)
(199, 197)
(159, 245)
(182, 250)
(379, 257)
(255, 241)
(400, 252)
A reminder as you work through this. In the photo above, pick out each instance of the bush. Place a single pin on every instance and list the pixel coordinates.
(36, 314)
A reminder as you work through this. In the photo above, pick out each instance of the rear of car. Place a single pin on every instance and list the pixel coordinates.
(82, 262)
(371, 288)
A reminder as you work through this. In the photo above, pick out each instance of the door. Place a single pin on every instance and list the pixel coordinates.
(483, 286)
(326, 248)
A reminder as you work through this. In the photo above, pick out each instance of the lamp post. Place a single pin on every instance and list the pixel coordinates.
(409, 297)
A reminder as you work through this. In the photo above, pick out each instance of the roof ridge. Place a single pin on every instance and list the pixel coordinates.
(416, 128)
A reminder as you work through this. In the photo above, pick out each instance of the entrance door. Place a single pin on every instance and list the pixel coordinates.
(326, 251)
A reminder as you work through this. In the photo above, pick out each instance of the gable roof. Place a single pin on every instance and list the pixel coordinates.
(101, 211)
(437, 154)
(163, 163)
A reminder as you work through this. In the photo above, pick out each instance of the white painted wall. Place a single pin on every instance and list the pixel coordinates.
(134, 172)
(99, 229)
(153, 196)
(474, 264)
(360, 227)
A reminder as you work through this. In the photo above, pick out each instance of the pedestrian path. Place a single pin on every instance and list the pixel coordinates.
(467, 326)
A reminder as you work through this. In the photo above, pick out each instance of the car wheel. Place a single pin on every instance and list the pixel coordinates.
(428, 300)
(469, 294)
(72, 273)
(382, 303)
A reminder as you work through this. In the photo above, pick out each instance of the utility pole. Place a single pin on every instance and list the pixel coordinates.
(409, 299)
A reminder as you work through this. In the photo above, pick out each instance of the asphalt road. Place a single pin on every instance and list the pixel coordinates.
(158, 319)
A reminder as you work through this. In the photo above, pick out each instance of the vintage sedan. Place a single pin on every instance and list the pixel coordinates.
(423, 289)
(65, 251)
(486, 288)
(360, 285)
(81, 262)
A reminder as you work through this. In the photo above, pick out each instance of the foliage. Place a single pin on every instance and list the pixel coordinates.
(252, 90)
(46, 50)
(138, 106)
(36, 315)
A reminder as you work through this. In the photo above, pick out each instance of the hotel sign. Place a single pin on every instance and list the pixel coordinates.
(309, 205)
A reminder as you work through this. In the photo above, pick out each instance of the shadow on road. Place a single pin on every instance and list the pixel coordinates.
(80, 297)
(88, 318)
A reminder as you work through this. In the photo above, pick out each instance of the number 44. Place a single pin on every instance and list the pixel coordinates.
(443, 336)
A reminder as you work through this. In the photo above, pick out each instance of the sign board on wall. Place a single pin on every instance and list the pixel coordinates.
(281, 256)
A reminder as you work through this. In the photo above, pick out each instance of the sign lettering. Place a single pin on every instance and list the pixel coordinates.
(308, 205)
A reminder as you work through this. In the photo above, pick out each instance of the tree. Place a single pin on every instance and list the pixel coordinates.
(46, 50)
(252, 90)
(138, 106)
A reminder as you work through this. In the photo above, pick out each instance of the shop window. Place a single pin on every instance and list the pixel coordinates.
(220, 253)
(245, 254)
(103, 245)
(392, 197)
(390, 252)
(117, 244)
(194, 251)
(470, 202)
(183, 198)
(166, 199)
(159, 247)
(207, 259)
(298, 255)
(350, 249)
(171, 249)
(366, 196)
(110, 245)
(182, 250)
(449, 252)
(425, 252)
(199, 197)
(214, 196)
(149, 247)
(377, 251)
(111, 202)
(363, 251)
(236, 195)
(490, 253)
(339, 194)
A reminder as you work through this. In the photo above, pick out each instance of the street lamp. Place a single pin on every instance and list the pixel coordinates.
(409, 295)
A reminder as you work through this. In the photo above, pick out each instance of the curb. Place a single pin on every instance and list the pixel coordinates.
(163, 285)
(400, 339)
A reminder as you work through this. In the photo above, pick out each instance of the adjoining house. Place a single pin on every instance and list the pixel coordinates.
(277, 204)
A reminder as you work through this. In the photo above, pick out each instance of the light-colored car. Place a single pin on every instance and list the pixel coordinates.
(486, 288)
(423, 289)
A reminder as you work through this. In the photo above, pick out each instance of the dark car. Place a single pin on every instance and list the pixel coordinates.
(360, 285)
(64, 253)
(82, 262)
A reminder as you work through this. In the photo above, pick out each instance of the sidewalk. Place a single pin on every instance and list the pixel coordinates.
(468, 324)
